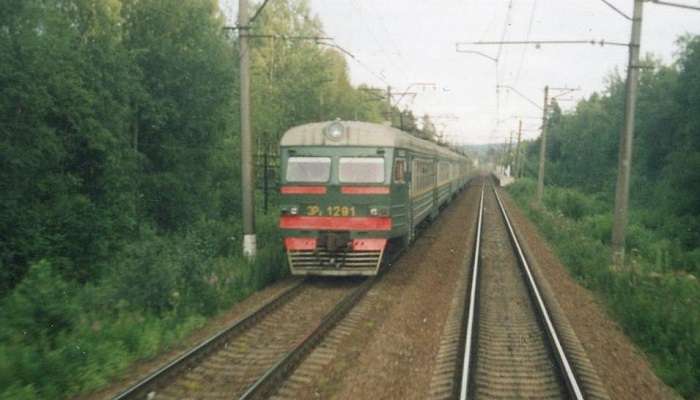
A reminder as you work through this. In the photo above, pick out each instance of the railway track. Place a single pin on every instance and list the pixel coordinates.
(513, 346)
(249, 359)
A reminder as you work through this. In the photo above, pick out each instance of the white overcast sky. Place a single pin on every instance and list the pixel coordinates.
(399, 42)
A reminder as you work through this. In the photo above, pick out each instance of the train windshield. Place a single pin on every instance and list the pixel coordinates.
(308, 169)
(361, 170)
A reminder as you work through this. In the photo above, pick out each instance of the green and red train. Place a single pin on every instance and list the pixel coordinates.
(349, 189)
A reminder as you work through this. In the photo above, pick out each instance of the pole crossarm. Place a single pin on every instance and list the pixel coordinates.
(494, 59)
(564, 91)
(519, 94)
(538, 43)
(408, 92)
(287, 37)
(257, 12)
(617, 10)
(668, 3)
(335, 46)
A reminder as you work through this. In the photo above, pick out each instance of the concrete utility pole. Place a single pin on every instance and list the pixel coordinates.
(543, 148)
(517, 149)
(626, 136)
(510, 152)
(248, 190)
(388, 103)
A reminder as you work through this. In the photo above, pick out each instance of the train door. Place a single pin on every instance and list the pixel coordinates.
(401, 192)
(436, 203)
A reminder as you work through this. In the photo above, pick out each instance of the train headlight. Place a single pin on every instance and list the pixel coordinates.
(378, 211)
(335, 130)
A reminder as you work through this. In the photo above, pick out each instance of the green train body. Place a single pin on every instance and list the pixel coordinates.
(348, 189)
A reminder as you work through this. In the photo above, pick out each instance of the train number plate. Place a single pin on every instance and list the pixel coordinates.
(331, 211)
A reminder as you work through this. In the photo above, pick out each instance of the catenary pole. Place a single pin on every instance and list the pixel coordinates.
(248, 194)
(510, 153)
(388, 104)
(626, 137)
(543, 148)
(517, 149)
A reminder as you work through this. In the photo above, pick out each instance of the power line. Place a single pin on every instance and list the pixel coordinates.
(539, 43)
(505, 29)
(354, 58)
(527, 37)
(402, 61)
(374, 36)
(617, 10)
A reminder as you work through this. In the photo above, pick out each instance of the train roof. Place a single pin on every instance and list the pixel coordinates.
(361, 134)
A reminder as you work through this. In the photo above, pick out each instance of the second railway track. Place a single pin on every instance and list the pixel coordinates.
(251, 357)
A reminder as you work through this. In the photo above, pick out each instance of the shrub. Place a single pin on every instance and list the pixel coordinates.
(59, 338)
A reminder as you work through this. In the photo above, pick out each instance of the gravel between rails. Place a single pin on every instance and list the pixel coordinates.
(513, 358)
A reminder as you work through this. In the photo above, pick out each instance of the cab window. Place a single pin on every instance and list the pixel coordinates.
(361, 170)
(308, 169)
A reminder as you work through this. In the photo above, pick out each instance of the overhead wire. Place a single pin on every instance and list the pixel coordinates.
(499, 52)
(527, 37)
(401, 60)
(355, 4)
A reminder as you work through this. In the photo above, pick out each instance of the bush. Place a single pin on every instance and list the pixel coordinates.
(59, 338)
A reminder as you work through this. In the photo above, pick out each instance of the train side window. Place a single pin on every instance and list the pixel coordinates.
(400, 171)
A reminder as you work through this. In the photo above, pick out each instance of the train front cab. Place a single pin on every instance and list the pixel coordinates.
(340, 206)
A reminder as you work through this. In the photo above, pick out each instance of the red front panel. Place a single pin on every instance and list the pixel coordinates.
(301, 222)
(291, 243)
(368, 244)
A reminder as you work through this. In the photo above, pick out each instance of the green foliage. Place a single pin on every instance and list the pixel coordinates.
(119, 169)
(60, 338)
(656, 306)
(583, 151)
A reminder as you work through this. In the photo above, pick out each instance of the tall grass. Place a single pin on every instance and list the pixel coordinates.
(656, 301)
(59, 339)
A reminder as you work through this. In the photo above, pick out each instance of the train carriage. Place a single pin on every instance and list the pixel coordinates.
(351, 188)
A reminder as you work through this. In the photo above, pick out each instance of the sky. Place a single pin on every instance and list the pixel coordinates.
(401, 43)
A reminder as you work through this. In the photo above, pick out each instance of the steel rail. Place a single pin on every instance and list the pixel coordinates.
(559, 353)
(156, 378)
(284, 367)
(467, 360)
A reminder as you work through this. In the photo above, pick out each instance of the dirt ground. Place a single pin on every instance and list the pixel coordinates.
(624, 370)
(394, 354)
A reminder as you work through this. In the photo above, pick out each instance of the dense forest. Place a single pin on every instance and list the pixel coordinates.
(656, 296)
(119, 174)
